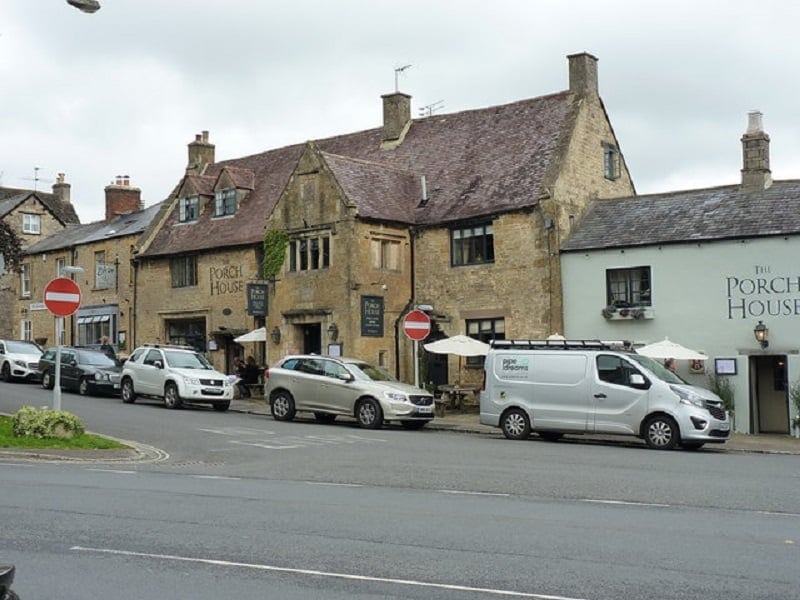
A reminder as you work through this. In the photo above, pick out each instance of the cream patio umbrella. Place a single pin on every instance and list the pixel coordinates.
(667, 349)
(459, 345)
(257, 335)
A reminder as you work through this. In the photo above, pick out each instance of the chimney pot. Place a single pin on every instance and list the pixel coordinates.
(754, 122)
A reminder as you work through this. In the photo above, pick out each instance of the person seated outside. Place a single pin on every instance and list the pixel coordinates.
(248, 375)
(107, 348)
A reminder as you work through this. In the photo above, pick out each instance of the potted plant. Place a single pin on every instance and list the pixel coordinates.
(721, 385)
(794, 395)
(609, 311)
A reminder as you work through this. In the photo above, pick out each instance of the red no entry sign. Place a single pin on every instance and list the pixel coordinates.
(417, 325)
(62, 296)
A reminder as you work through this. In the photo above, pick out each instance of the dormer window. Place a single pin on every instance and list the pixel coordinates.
(611, 166)
(31, 223)
(189, 209)
(225, 202)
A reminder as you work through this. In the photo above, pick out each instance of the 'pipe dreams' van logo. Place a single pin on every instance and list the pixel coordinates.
(515, 367)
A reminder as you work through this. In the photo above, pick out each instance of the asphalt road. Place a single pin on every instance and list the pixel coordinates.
(240, 506)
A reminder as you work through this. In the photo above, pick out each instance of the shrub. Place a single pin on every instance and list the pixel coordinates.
(45, 423)
(721, 385)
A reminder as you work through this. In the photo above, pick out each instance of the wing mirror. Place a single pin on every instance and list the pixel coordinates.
(637, 380)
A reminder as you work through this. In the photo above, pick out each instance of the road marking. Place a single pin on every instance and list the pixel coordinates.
(120, 471)
(625, 503)
(215, 477)
(334, 484)
(315, 573)
(466, 493)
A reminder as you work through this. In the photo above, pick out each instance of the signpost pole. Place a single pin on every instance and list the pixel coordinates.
(416, 363)
(62, 297)
(57, 385)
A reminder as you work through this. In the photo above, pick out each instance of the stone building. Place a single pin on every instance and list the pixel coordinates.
(459, 213)
(712, 269)
(98, 257)
(33, 215)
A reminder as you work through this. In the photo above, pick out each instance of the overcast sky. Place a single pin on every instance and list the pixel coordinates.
(124, 90)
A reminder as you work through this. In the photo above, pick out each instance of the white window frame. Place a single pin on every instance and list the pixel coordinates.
(25, 280)
(26, 330)
(31, 223)
(225, 202)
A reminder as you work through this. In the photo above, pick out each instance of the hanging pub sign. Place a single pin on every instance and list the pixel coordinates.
(257, 299)
(372, 316)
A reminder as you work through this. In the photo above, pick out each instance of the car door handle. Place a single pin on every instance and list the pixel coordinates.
(600, 395)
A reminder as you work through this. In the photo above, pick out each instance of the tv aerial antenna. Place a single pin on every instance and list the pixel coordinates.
(36, 179)
(429, 109)
(397, 72)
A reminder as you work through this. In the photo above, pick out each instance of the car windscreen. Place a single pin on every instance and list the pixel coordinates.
(22, 348)
(186, 360)
(366, 371)
(98, 359)
(656, 368)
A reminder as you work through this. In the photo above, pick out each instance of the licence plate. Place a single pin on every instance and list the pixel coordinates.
(425, 410)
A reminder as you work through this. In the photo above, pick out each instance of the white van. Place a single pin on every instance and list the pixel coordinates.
(553, 387)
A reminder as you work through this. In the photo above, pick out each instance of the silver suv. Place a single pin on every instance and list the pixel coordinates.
(331, 387)
(176, 374)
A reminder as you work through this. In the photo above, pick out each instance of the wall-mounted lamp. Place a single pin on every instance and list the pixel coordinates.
(275, 334)
(333, 332)
(761, 333)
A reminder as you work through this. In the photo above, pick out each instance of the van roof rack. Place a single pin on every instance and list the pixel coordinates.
(561, 344)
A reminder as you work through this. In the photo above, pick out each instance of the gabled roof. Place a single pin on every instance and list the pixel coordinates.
(132, 224)
(727, 212)
(10, 198)
(476, 163)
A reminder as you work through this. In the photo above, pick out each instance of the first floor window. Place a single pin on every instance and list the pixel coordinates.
(484, 330)
(25, 280)
(385, 254)
(31, 223)
(611, 166)
(183, 271)
(309, 254)
(628, 287)
(472, 245)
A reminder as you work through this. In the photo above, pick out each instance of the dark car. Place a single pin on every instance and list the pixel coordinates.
(83, 370)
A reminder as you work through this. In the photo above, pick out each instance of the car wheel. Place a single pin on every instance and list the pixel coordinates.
(171, 397)
(283, 406)
(48, 381)
(369, 414)
(692, 445)
(516, 425)
(551, 436)
(322, 417)
(413, 424)
(222, 406)
(83, 387)
(128, 395)
(661, 433)
(6, 372)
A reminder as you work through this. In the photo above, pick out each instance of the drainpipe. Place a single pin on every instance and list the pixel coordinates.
(406, 308)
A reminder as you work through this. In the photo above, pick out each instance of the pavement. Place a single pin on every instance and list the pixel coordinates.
(463, 421)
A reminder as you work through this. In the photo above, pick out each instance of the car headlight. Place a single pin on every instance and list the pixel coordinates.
(191, 380)
(687, 397)
(20, 363)
(100, 376)
(395, 396)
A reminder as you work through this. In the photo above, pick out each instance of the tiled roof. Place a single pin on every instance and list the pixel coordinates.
(74, 235)
(689, 216)
(476, 163)
(10, 198)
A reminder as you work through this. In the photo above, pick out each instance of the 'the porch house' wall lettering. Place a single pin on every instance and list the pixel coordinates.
(763, 295)
(226, 280)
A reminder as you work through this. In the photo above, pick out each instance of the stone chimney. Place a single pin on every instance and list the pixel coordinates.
(61, 189)
(583, 74)
(756, 175)
(122, 198)
(201, 154)
(396, 117)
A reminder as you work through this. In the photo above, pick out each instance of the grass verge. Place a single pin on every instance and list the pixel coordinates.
(87, 441)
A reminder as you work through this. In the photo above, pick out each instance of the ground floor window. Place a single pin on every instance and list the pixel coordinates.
(92, 329)
(187, 332)
(484, 330)
(628, 287)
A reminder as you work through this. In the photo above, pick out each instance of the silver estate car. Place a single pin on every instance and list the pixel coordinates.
(334, 386)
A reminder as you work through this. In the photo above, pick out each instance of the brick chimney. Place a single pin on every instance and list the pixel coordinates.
(756, 175)
(582, 74)
(61, 189)
(122, 198)
(396, 117)
(201, 154)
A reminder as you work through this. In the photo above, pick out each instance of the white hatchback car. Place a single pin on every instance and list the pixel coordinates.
(331, 387)
(19, 360)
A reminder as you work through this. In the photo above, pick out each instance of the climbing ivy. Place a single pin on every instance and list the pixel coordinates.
(275, 242)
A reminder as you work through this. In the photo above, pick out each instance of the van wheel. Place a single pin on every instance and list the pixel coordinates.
(551, 436)
(516, 425)
(661, 433)
(283, 406)
(369, 414)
